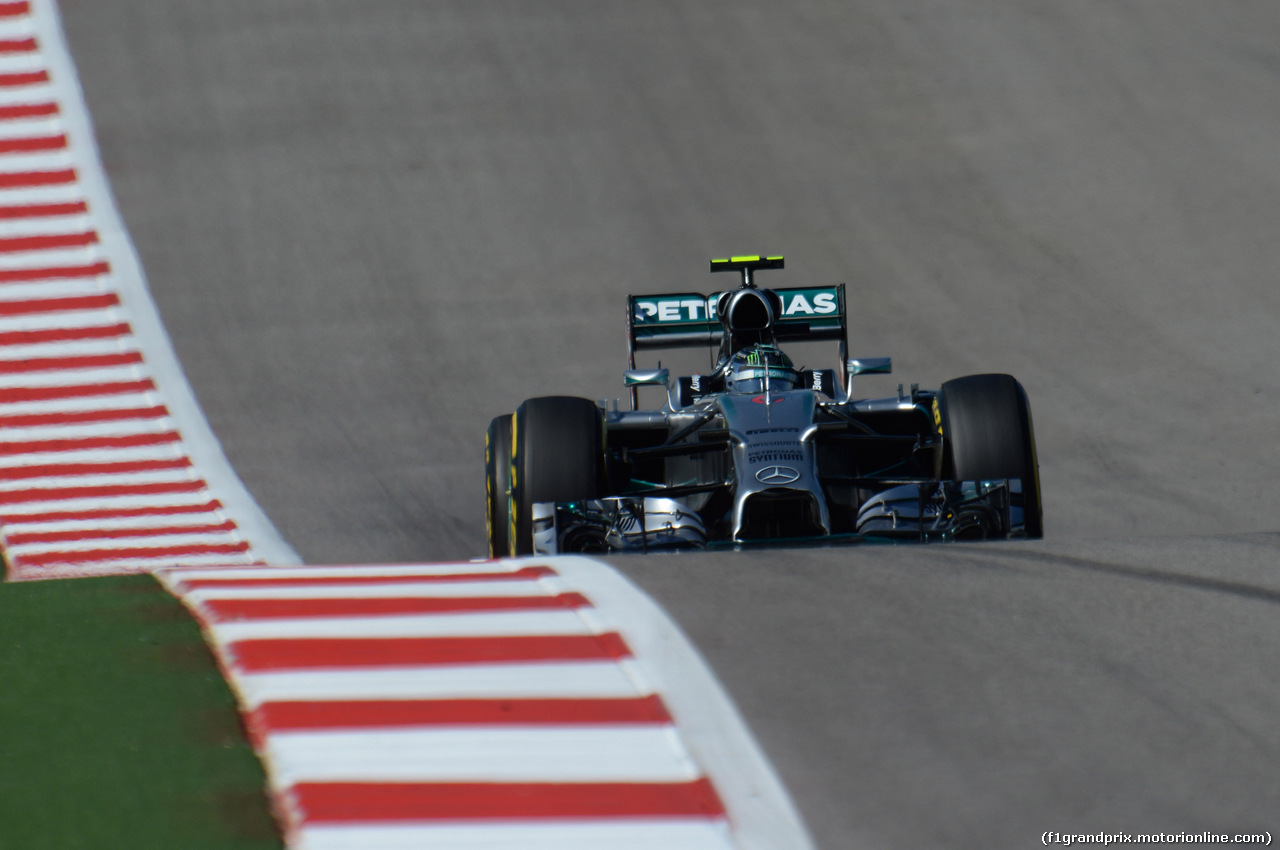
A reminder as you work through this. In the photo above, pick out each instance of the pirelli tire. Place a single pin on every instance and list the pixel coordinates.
(497, 484)
(988, 435)
(557, 455)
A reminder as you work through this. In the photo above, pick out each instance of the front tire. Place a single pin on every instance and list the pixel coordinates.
(557, 456)
(988, 435)
(497, 483)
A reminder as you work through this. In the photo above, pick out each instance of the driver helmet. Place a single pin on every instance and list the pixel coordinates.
(752, 369)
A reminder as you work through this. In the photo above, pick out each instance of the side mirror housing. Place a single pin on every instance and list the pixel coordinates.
(864, 366)
(646, 377)
(869, 366)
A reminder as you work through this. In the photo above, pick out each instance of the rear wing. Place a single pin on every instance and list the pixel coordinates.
(688, 319)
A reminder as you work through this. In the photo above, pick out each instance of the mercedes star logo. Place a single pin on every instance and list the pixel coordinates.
(777, 475)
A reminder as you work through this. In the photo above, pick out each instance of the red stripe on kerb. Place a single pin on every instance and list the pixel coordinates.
(33, 144)
(86, 556)
(522, 574)
(59, 305)
(56, 273)
(23, 45)
(43, 210)
(34, 337)
(15, 9)
(110, 513)
(21, 538)
(321, 802)
(12, 395)
(83, 417)
(49, 242)
(57, 364)
(71, 444)
(26, 78)
(52, 470)
(55, 494)
(228, 610)
(25, 179)
(27, 110)
(256, 655)
(282, 716)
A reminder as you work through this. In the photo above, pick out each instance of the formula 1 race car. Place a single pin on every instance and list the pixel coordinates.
(758, 450)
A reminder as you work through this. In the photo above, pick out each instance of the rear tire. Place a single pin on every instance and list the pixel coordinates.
(988, 435)
(557, 456)
(497, 483)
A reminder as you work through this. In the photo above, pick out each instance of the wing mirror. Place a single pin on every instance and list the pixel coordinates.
(869, 366)
(864, 366)
(646, 377)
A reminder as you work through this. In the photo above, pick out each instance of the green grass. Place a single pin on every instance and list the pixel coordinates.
(116, 728)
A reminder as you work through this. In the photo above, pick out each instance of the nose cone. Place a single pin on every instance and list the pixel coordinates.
(777, 490)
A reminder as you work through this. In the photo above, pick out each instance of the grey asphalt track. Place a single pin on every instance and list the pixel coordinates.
(373, 226)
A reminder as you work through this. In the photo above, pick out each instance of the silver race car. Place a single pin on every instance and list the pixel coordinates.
(756, 450)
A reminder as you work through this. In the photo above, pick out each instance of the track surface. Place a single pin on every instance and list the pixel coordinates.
(372, 227)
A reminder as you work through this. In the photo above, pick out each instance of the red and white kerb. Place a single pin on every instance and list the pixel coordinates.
(452, 706)
(94, 474)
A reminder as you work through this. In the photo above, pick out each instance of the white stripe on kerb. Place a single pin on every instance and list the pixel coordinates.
(30, 126)
(14, 514)
(614, 834)
(117, 524)
(125, 566)
(498, 569)
(486, 624)
(76, 348)
(70, 319)
(374, 591)
(18, 28)
(55, 482)
(17, 293)
(560, 680)
(73, 377)
(159, 541)
(159, 451)
(61, 225)
(487, 754)
(20, 61)
(59, 193)
(58, 160)
(122, 428)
